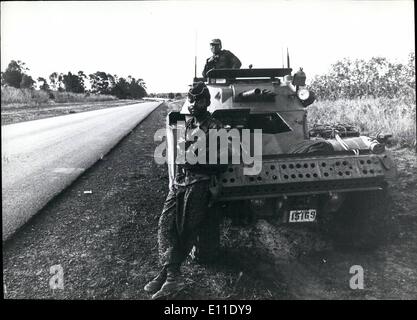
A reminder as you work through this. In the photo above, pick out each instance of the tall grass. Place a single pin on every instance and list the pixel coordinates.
(30, 97)
(375, 95)
(23, 96)
(397, 116)
(61, 97)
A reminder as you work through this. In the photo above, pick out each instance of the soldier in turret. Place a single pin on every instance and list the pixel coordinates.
(220, 58)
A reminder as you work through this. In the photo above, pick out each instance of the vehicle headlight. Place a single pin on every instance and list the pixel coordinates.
(303, 94)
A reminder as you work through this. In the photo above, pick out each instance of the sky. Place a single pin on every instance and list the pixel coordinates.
(158, 40)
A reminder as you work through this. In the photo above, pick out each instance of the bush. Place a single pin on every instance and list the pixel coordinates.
(376, 78)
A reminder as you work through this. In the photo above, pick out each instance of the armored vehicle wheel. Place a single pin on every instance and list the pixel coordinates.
(207, 244)
(363, 220)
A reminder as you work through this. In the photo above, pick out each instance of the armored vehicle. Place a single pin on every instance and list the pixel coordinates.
(329, 176)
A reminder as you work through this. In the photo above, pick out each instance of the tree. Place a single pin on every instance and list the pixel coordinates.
(43, 84)
(13, 75)
(73, 83)
(60, 82)
(136, 89)
(56, 81)
(121, 89)
(26, 82)
(142, 83)
(101, 82)
(53, 77)
(129, 88)
(82, 77)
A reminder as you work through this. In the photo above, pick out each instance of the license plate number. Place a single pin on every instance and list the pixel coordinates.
(307, 215)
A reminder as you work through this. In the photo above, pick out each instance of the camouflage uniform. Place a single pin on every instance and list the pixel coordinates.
(224, 59)
(186, 205)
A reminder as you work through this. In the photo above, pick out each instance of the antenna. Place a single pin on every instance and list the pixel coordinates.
(288, 59)
(195, 55)
(195, 67)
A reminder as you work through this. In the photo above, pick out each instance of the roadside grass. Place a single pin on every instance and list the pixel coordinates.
(10, 95)
(396, 116)
(31, 97)
(61, 97)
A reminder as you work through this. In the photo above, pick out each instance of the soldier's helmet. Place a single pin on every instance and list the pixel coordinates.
(198, 91)
(216, 41)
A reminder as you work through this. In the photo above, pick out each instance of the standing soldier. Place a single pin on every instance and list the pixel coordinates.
(186, 205)
(220, 58)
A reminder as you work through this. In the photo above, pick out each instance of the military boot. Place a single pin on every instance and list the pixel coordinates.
(156, 283)
(173, 284)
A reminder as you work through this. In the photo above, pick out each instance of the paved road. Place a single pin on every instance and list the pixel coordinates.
(42, 157)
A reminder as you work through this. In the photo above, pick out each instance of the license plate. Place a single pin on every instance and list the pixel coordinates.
(307, 215)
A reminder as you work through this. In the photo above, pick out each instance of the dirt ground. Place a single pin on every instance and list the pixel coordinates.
(105, 242)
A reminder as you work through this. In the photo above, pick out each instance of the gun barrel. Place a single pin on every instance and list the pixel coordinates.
(250, 93)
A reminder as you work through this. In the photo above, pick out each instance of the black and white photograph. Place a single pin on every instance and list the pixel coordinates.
(226, 151)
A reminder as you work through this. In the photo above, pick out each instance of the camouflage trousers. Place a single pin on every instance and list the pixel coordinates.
(183, 214)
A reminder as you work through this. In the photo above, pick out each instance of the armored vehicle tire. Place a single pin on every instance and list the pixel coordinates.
(363, 220)
(207, 244)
